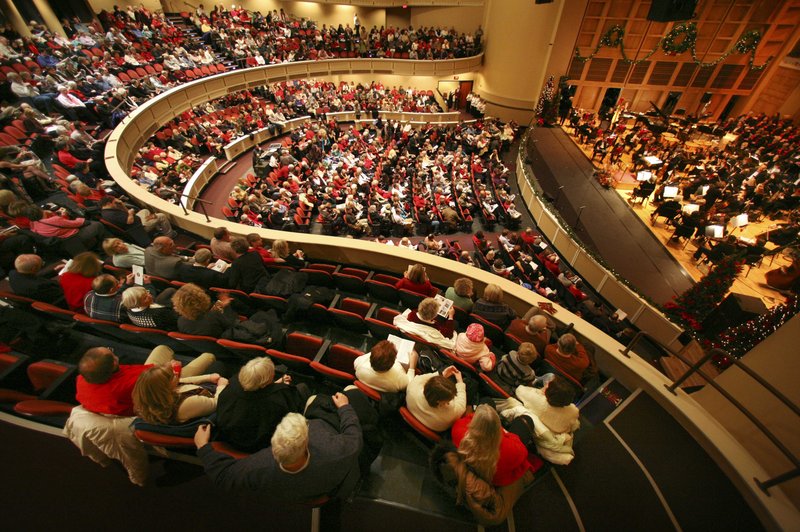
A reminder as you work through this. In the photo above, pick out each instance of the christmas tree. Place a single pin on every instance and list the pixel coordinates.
(546, 111)
(739, 340)
(693, 306)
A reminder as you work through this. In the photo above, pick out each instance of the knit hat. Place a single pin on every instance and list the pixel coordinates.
(475, 332)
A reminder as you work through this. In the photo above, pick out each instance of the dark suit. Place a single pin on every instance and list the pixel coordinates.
(136, 231)
(247, 420)
(205, 277)
(35, 287)
(246, 271)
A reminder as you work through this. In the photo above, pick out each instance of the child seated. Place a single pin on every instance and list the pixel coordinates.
(471, 347)
(515, 368)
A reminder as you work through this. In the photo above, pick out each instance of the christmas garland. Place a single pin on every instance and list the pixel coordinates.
(739, 340)
(680, 39)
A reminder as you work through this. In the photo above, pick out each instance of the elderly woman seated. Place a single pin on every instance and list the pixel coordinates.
(143, 311)
(123, 255)
(435, 400)
(379, 369)
(196, 314)
(491, 307)
(426, 323)
(416, 280)
(254, 403)
(162, 396)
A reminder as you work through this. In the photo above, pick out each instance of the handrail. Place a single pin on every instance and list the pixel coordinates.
(195, 198)
(695, 368)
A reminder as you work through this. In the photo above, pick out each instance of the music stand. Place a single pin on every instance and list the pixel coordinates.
(715, 231)
(670, 193)
(690, 208)
(739, 221)
(644, 175)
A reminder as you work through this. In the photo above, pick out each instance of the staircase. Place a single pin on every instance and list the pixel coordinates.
(192, 34)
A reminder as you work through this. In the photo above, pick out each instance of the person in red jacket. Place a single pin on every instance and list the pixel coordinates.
(104, 386)
(416, 280)
(497, 456)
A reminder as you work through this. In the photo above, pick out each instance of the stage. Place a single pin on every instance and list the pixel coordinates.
(602, 219)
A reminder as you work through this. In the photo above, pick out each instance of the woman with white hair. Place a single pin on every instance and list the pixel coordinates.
(254, 403)
(143, 311)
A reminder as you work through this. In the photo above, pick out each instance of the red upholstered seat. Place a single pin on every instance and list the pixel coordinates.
(44, 373)
(304, 345)
(14, 396)
(418, 427)
(222, 447)
(43, 407)
(162, 440)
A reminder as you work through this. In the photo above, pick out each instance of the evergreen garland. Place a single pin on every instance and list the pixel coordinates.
(673, 44)
(739, 340)
(693, 306)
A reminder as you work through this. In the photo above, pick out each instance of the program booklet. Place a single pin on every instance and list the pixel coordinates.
(444, 305)
(404, 348)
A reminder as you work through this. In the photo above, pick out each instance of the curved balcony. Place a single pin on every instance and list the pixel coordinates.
(632, 372)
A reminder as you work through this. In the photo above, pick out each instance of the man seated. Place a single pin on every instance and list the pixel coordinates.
(569, 356)
(533, 330)
(104, 386)
(104, 301)
(161, 260)
(380, 370)
(307, 458)
(200, 272)
(252, 405)
(247, 269)
(25, 281)
(221, 244)
(435, 400)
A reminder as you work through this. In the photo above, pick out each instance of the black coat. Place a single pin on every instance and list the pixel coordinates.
(247, 420)
(246, 271)
(205, 277)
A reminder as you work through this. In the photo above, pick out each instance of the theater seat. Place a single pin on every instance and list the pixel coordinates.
(418, 427)
(226, 448)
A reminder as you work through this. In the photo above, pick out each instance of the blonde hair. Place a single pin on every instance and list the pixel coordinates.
(87, 264)
(280, 249)
(256, 374)
(190, 301)
(133, 296)
(154, 397)
(480, 447)
(493, 293)
(109, 244)
(416, 274)
(290, 439)
(428, 308)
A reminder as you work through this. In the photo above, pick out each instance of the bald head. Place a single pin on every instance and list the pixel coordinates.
(98, 364)
(164, 245)
(28, 263)
(537, 324)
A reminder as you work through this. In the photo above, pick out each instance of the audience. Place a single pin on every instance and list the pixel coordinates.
(196, 314)
(25, 280)
(470, 346)
(461, 294)
(491, 307)
(77, 276)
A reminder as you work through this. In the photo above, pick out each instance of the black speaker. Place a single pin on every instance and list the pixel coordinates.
(669, 10)
(544, 1)
(734, 310)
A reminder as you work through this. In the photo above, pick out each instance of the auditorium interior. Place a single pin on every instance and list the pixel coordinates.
(626, 172)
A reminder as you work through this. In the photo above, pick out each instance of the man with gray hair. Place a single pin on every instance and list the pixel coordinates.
(531, 329)
(307, 459)
(570, 357)
(25, 281)
(161, 260)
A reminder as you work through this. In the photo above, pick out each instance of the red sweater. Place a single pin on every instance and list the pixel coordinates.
(513, 460)
(75, 287)
(426, 288)
(112, 397)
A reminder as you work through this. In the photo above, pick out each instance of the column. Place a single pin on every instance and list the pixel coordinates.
(14, 18)
(49, 16)
(520, 36)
